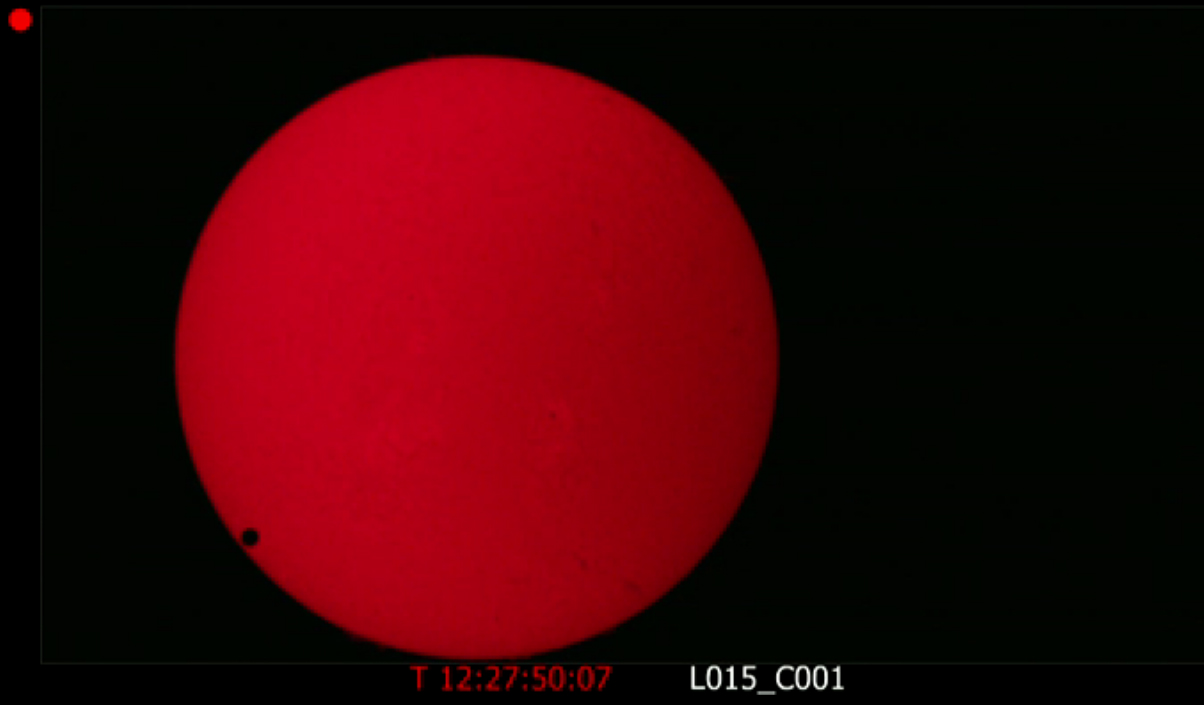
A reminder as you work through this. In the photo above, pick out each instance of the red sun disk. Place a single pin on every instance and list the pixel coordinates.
(484, 351)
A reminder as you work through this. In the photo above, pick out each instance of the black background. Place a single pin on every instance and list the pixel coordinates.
(982, 230)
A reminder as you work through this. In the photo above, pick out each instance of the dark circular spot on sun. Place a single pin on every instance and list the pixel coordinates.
(250, 537)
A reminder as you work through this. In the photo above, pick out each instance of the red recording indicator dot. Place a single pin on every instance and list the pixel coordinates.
(20, 19)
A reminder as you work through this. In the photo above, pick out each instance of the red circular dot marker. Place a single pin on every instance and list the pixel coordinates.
(483, 355)
(20, 19)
